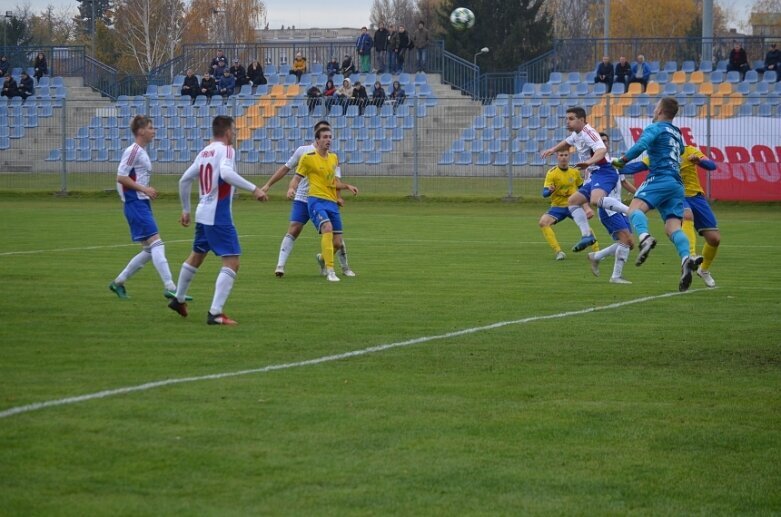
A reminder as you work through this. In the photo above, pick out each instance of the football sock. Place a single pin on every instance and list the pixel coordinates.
(603, 254)
(688, 230)
(186, 276)
(341, 254)
(157, 249)
(327, 245)
(222, 289)
(708, 254)
(550, 237)
(285, 249)
(639, 222)
(622, 254)
(611, 203)
(579, 216)
(681, 243)
(133, 266)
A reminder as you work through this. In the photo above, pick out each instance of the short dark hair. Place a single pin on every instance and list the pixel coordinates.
(321, 131)
(221, 124)
(603, 134)
(578, 111)
(139, 122)
(322, 123)
(669, 107)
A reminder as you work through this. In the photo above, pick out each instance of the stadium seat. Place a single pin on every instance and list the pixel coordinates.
(654, 66)
(690, 110)
(483, 158)
(670, 66)
(519, 158)
(721, 66)
(752, 76)
(770, 77)
(637, 88)
(601, 88)
(447, 158)
(670, 89)
(743, 88)
(618, 88)
(55, 155)
(717, 77)
(706, 66)
(746, 110)
(555, 78)
(765, 110)
(463, 158)
(688, 67)
(573, 78)
(581, 89)
(501, 159)
(733, 77)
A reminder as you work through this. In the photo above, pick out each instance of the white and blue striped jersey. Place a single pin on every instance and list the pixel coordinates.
(137, 166)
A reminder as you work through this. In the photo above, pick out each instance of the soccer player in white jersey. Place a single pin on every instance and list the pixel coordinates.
(299, 214)
(214, 230)
(601, 176)
(133, 177)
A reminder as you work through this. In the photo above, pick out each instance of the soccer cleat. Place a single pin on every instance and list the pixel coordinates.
(331, 276)
(706, 277)
(688, 266)
(619, 280)
(646, 245)
(348, 272)
(320, 261)
(594, 263)
(584, 243)
(179, 307)
(560, 255)
(280, 271)
(171, 295)
(119, 290)
(219, 319)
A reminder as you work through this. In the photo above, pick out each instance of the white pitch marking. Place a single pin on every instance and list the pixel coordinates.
(325, 359)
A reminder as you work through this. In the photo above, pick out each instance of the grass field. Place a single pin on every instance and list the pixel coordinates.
(658, 405)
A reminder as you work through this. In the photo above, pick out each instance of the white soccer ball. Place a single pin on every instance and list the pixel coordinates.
(462, 18)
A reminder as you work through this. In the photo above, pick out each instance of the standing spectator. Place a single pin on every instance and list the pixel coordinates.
(348, 67)
(226, 85)
(26, 86)
(299, 66)
(10, 88)
(604, 73)
(363, 46)
(255, 75)
(239, 73)
(41, 68)
(402, 45)
(190, 85)
(218, 64)
(420, 41)
(623, 71)
(329, 94)
(4, 65)
(393, 41)
(772, 62)
(360, 97)
(313, 98)
(641, 72)
(208, 86)
(397, 95)
(381, 36)
(378, 95)
(738, 60)
(332, 68)
(343, 94)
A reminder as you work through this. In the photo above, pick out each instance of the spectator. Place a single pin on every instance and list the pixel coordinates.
(348, 67)
(378, 95)
(623, 71)
(738, 61)
(393, 41)
(239, 73)
(360, 97)
(402, 45)
(190, 85)
(255, 75)
(41, 68)
(26, 86)
(4, 65)
(218, 64)
(381, 36)
(604, 73)
(329, 94)
(313, 97)
(208, 86)
(226, 85)
(332, 68)
(420, 41)
(10, 89)
(772, 62)
(344, 93)
(397, 95)
(299, 66)
(641, 72)
(363, 46)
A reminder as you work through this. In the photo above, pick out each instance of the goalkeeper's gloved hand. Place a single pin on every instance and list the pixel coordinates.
(618, 163)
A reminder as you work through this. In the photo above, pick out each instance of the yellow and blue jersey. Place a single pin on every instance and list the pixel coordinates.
(321, 173)
(689, 175)
(562, 184)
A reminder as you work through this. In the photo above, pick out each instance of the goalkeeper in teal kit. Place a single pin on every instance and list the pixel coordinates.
(663, 188)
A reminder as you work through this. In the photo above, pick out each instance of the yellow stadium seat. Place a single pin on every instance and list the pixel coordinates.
(293, 90)
(679, 77)
(635, 88)
(697, 77)
(278, 90)
(706, 88)
(653, 88)
(724, 89)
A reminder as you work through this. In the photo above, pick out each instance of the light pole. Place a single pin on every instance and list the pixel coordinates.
(484, 50)
(8, 15)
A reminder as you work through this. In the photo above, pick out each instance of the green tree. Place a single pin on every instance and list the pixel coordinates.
(102, 10)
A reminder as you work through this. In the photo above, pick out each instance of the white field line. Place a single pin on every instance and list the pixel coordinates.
(324, 359)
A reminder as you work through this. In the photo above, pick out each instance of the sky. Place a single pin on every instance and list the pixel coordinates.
(338, 13)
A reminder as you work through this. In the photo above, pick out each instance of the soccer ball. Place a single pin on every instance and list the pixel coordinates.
(462, 18)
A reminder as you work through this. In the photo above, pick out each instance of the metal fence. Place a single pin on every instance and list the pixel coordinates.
(438, 148)
(62, 60)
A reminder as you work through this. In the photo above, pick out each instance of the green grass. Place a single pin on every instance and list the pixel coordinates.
(669, 406)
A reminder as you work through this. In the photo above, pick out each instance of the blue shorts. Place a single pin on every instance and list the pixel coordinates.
(614, 223)
(604, 178)
(665, 193)
(222, 240)
(704, 219)
(299, 212)
(322, 211)
(139, 217)
(559, 213)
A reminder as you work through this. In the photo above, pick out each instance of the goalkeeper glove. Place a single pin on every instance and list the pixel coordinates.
(618, 163)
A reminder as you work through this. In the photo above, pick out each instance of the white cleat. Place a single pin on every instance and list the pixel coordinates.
(280, 271)
(706, 277)
(619, 280)
(560, 256)
(594, 263)
(348, 272)
(331, 276)
(321, 262)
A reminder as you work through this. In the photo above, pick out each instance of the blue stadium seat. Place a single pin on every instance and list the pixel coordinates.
(671, 66)
(519, 158)
(733, 77)
(447, 158)
(482, 158)
(581, 89)
(573, 78)
(494, 146)
(634, 111)
(743, 88)
(43, 82)
(689, 89)
(706, 66)
(618, 89)
(721, 66)
(765, 110)
(600, 89)
(501, 158)
(770, 77)
(745, 110)
(555, 78)
(690, 110)
(373, 158)
(717, 77)
(662, 77)
(534, 123)
(688, 67)
(404, 80)
(670, 89)
(752, 76)
(654, 66)
(57, 82)
(55, 155)
(5, 142)
(463, 158)
(151, 90)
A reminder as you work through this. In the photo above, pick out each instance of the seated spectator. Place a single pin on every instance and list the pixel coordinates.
(360, 97)
(332, 68)
(378, 95)
(623, 71)
(313, 97)
(344, 93)
(772, 62)
(208, 86)
(641, 72)
(329, 94)
(41, 68)
(738, 60)
(190, 85)
(238, 73)
(347, 67)
(604, 73)
(218, 64)
(299, 66)
(255, 75)
(10, 89)
(26, 86)
(397, 95)
(226, 85)
(4, 66)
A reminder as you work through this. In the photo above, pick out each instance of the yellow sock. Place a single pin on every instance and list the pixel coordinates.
(327, 245)
(708, 254)
(550, 236)
(595, 246)
(688, 231)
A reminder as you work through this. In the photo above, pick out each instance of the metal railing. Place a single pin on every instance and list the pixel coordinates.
(62, 60)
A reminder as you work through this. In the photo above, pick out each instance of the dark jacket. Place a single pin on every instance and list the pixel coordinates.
(4, 65)
(359, 92)
(378, 93)
(403, 41)
(9, 88)
(227, 84)
(217, 66)
(381, 40)
(332, 68)
(192, 85)
(606, 70)
(347, 66)
(623, 71)
(773, 59)
(738, 57)
(420, 38)
(255, 74)
(209, 84)
(41, 68)
(27, 86)
(239, 73)
(399, 95)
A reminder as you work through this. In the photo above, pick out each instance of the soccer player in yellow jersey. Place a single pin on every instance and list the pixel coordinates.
(319, 167)
(561, 182)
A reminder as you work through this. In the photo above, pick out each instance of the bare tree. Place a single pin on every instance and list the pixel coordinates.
(575, 18)
(393, 12)
(149, 30)
(224, 21)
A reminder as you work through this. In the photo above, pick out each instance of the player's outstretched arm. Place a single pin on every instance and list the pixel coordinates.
(346, 186)
(233, 178)
(556, 148)
(291, 189)
(630, 168)
(599, 154)
(278, 175)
